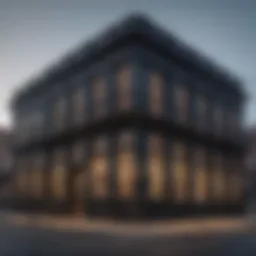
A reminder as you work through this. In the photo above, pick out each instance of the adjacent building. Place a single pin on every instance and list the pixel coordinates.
(134, 123)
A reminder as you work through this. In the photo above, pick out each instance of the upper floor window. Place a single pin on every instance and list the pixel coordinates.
(124, 88)
(60, 113)
(232, 123)
(36, 122)
(100, 93)
(78, 103)
(218, 119)
(181, 103)
(201, 112)
(156, 94)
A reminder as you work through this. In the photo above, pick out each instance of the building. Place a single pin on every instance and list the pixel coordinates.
(6, 161)
(251, 170)
(134, 123)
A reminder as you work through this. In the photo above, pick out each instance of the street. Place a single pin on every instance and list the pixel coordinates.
(29, 241)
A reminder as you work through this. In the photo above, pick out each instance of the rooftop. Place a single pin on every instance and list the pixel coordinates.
(142, 26)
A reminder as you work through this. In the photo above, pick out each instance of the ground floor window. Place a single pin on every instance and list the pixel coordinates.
(179, 172)
(235, 180)
(126, 165)
(218, 179)
(37, 177)
(59, 176)
(22, 177)
(200, 175)
(155, 167)
(99, 168)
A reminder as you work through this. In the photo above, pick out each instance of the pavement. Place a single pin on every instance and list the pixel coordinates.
(25, 235)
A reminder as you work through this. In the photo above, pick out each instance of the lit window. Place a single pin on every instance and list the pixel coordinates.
(200, 176)
(126, 165)
(124, 88)
(155, 168)
(156, 86)
(181, 103)
(179, 171)
(59, 176)
(59, 114)
(99, 89)
(99, 168)
(82, 175)
(78, 106)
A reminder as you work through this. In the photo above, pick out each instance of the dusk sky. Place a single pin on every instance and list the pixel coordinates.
(34, 33)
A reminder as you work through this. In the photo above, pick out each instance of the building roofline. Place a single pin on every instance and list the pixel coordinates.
(141, 25)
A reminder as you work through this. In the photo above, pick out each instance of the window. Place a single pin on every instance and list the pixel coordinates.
(59, 176)
(179, 172)
(156, 90)
(200, 176)
(21, 176)
(124, 88)
(37, 180)
(78, 102)
(59, 114)
(126, 165)
(81, 178)
(218, 179)
(99, 89)
(155, 162)
(218, 119)
(233, 123)
(201, 113)
(235, 181)
(181, 103)
(78, 152)
(99, 168)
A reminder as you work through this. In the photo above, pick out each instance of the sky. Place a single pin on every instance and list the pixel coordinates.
(35, 33)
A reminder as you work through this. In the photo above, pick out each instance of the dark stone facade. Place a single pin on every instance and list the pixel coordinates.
(151, 59)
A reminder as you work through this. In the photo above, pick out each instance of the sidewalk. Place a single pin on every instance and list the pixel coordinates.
(166, 227)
